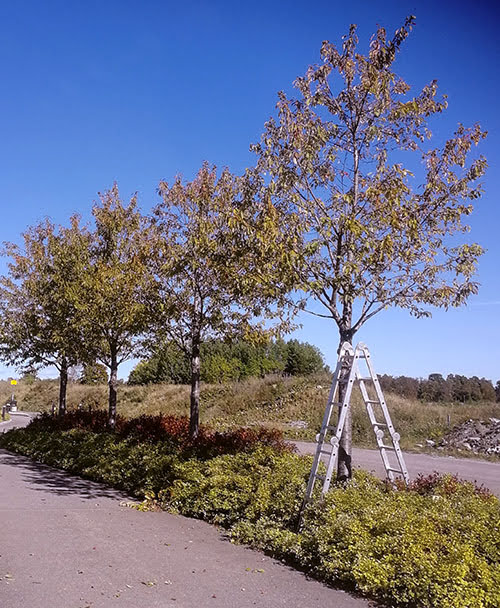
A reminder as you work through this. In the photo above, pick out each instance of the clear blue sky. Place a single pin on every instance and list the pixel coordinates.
(135, 92)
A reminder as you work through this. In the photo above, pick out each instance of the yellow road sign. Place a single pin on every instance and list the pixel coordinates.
(13, 382)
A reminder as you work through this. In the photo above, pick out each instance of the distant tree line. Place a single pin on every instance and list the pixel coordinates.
(437, 388)
(229, 362)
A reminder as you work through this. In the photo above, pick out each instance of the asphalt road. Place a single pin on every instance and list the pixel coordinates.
(17, 419)
(483, 472)
(69, 543)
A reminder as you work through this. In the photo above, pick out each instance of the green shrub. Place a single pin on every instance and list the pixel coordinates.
(439, 550)
(228, 488)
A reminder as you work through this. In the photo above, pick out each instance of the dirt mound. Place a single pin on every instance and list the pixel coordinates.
(478, 436)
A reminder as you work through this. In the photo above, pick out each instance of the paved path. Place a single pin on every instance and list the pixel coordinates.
(17, 419)
(483, 472)
(68, 543)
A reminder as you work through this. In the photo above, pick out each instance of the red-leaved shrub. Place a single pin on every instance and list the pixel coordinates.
(437, 483)
(173, 429)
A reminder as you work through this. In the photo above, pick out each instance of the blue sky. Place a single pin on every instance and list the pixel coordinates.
(94, 92)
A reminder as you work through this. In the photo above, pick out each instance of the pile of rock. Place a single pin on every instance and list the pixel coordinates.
(478, 436)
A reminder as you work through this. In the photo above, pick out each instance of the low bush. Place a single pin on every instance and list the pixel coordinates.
(434, 545)
(234, 487)
(163, 428)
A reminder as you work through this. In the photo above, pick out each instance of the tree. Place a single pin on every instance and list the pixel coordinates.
(370, 227)
(202, 290)
(487, 390)
(435, 388)
(111, 298)
(39, 324)
(93, 373)
(303, 359)
(167, 363)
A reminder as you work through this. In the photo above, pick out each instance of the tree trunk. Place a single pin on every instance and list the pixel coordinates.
(113, 383)
(194, 414)
(63, 385)
(344, 463)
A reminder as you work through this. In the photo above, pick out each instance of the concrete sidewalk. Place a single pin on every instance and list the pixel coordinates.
(68, 543)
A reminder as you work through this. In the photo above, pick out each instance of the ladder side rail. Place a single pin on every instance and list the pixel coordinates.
(345, 350)
(329, 404)
(340, 424)
(378, 432)
(392, 431)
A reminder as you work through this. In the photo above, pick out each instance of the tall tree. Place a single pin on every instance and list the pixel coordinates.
(38, 320)
(201, 290)
(93, 373)
(370, 204)
(112, 292)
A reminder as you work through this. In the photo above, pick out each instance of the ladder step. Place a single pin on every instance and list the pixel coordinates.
(387, 447)
(395, 470)
(372, 401)
(379, 424)
(327, 452)
(366, 379)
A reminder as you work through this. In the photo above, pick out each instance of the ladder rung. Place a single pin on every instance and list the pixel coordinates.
(366, 379)
(325, 452)
(387, 447)
(336, 403)
(395, 470)
(372, 401)
(379, 424)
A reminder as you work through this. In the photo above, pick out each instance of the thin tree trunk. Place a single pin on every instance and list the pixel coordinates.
(344, 463)
(63, 385)
(113, 384)
(194, 414)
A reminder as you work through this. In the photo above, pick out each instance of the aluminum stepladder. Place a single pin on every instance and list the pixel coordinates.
(347, 372)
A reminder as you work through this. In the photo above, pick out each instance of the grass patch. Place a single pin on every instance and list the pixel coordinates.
(434, 545)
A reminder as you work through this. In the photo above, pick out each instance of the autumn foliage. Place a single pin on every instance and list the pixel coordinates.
(171, 429)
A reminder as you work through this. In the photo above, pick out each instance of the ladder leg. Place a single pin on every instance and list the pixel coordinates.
(379, 426)
(346, 354)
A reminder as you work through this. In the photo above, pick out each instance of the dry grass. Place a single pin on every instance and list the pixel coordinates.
(272, 402)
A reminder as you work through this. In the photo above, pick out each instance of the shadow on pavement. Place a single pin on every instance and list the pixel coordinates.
(47, 479)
